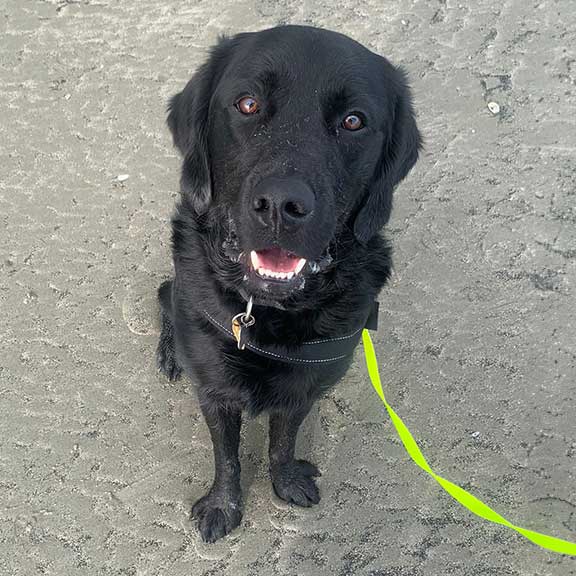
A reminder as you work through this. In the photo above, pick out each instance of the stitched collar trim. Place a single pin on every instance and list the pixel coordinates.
(321, 351)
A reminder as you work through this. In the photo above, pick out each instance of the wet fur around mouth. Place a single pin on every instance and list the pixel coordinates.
(352, 176)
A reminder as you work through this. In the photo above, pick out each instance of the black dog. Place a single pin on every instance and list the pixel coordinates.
(293, 140)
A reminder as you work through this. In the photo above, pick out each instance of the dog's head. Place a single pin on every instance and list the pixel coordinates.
(293, 140)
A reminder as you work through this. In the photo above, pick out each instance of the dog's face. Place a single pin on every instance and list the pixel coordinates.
(293, 140)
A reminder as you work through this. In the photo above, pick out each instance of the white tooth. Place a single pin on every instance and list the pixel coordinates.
(282, 275)
(300, 265)
(255, 260)
(289, 275)
(261, 271)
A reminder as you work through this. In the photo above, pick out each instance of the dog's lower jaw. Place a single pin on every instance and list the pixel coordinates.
(264, 294)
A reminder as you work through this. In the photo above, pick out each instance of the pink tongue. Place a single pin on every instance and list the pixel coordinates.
(277, 260)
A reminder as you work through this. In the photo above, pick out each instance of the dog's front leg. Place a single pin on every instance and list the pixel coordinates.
(220, 511)
(293, 480)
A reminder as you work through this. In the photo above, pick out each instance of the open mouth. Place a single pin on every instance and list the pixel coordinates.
(276, 263)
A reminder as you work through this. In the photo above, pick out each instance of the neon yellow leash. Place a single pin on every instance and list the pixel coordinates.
(466, 499)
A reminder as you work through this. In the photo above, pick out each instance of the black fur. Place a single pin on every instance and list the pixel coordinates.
(306, 80)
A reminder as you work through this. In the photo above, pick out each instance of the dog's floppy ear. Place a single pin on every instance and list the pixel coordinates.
(188, 119)
(399, 153)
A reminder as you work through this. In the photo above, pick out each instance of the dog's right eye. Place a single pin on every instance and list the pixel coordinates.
(248, 105)
(353, 122)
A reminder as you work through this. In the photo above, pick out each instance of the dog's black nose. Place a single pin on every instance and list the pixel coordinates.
(285, 203)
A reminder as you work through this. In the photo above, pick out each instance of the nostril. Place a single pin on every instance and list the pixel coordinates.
(295, 209)
(277, 202)
(260, 204)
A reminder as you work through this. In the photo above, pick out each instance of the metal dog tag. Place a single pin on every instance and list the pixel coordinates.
(240, 324)
(237, 331)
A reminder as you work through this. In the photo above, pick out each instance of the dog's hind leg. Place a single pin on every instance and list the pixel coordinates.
(166, 353)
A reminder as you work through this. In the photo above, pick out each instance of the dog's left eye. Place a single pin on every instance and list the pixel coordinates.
(353, 122)
(248, 105)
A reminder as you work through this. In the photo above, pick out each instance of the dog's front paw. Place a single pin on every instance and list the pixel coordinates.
(217, 515)
(294, 482)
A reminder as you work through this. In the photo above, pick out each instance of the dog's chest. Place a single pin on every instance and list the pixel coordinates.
(261, 384)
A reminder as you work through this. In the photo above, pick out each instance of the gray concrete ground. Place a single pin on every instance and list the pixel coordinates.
(101, 458)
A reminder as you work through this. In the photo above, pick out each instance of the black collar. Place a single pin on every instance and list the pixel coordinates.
(321, 351)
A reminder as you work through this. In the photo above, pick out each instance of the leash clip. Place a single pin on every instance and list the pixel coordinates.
(240, 324)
